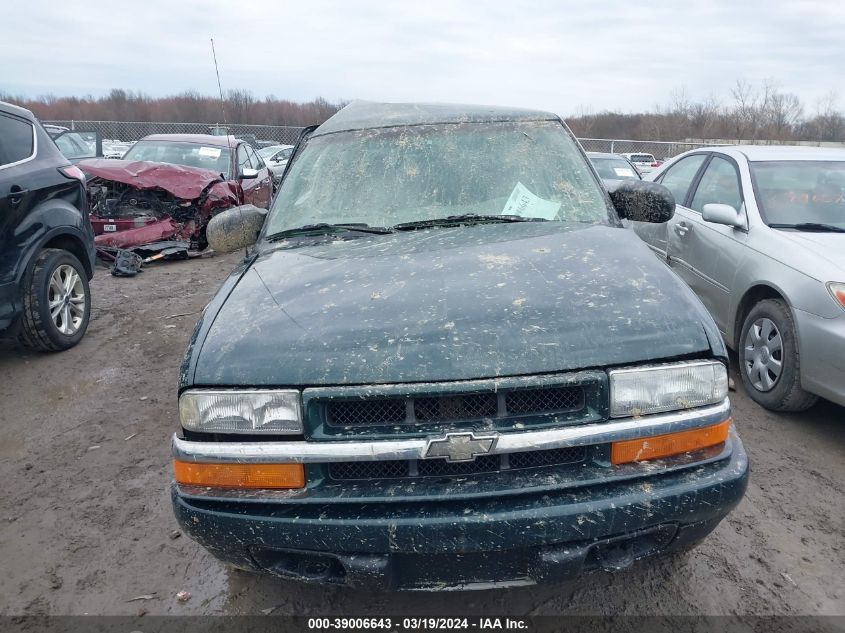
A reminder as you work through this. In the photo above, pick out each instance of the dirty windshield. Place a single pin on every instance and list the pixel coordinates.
(189, 154)
(798, 192)
(385, 177)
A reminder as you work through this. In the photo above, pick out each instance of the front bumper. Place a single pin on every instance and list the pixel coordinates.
(457, 541)
(821, 343)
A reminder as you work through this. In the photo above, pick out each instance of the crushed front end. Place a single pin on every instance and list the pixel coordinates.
(138, 203)
(459, 485)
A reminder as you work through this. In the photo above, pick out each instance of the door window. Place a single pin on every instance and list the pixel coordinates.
(719, 184)
(679, 176)
(254, 158)
(243, 159)
(72, 145)
(17, 140)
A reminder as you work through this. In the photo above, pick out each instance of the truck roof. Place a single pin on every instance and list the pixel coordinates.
(363, 115)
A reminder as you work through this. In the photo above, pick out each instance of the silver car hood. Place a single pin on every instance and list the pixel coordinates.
(821, 255)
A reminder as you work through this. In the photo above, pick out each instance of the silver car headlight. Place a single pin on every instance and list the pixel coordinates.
(246, 411)
(837, 291)
(636, 391)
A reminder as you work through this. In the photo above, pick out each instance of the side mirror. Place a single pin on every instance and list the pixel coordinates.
(235, 228)
(249, 174)
(641, 200)
(722, 214)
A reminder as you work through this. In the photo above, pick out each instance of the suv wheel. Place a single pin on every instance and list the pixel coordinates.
(56, 302)
(769, 361)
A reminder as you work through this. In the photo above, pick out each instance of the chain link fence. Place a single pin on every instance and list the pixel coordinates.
(130, 131)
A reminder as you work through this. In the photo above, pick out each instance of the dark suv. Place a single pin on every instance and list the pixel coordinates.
(46, 242)
(446, 364)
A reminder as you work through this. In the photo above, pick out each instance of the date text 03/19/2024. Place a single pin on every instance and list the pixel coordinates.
(417, 624)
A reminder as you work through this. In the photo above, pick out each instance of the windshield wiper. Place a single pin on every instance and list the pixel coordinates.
(810, 226)
(466, 218)
(325, 229)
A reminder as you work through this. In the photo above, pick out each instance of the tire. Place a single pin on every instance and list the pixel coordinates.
(769, 359)
(55, 276)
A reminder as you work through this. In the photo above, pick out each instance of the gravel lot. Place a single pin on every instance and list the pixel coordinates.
(86, 523)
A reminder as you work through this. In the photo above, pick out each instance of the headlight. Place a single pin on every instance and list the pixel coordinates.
(253, 411)
(641, 390)
(838, 292)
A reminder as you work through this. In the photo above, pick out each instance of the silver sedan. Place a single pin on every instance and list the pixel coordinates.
(759, 235)
(276, 158)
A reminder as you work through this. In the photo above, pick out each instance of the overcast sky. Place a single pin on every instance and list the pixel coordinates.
(561, 56)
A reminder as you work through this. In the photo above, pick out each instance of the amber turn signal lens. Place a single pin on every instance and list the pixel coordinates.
(670, 444)
(247, 476)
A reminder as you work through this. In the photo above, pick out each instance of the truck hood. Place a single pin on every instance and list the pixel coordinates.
(446, 304)
(186, 183)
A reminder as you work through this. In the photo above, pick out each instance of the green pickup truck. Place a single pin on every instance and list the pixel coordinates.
(445, 364)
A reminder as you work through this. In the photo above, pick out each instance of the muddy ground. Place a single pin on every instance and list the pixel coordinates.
(86, 523)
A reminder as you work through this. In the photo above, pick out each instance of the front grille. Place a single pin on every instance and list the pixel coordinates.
(538, 459)
(353, 412)
(524, 401)
(485, 464)
(454, 408)
(442, 468)
(344, 471)
(468, 407)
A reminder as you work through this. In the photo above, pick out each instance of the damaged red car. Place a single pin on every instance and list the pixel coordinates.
(168, 186)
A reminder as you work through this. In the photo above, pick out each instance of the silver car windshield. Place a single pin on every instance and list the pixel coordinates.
(387, 176)
(795, 192)
(178, 153)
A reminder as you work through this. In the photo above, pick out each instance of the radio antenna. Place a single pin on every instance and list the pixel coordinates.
(222, 103)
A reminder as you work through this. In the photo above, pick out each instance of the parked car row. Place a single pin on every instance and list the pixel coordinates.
(753, 225)
(444, 342)
(59, 202)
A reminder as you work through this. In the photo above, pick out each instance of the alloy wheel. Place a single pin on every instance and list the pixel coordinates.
(66, 298)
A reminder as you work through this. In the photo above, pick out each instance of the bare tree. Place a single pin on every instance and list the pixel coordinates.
(828, 124)
(784, 111)
(584, 122)
(743, 114)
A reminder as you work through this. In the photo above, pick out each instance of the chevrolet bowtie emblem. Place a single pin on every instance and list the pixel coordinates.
(459, 447)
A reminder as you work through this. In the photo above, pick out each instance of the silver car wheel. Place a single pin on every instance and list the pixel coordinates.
(66, 298)
(763, 354)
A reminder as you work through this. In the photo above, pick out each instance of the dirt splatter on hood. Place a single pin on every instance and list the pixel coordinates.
(449, 304)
